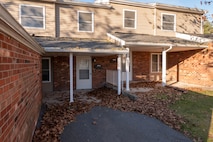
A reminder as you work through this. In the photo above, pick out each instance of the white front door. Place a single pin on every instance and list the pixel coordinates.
(83, 72)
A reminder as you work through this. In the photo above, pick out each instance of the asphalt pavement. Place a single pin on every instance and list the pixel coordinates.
(103, 124)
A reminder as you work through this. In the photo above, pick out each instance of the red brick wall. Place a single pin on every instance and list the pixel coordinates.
(194, 67)
(20, 90)
(99, 75)
(61, 73)
(141, 66)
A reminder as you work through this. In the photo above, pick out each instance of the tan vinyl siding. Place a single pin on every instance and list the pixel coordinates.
(69, 22)
(144, 19)
(49, 30)
(185, 23)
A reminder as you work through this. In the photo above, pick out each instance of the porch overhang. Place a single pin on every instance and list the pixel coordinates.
(79, 46)
(159, 47)
(86, 50)
(161, 44)
(151, 43)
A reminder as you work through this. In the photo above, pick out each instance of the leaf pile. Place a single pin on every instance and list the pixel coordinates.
(154, 103)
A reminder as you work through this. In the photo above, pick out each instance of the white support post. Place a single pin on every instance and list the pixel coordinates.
(164, 65)
(127, 72)
(71, 78)
(119, 73)
(164, 68)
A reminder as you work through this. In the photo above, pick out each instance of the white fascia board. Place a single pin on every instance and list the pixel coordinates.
(165, 44)
(86, 50)
(147, 44)
(192, 38)
(118, 40)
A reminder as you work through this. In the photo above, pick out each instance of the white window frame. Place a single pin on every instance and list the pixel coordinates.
(158, 63)
(124, 18)
(47, 58)
(44, 15)
(162, 21)
(92, 21)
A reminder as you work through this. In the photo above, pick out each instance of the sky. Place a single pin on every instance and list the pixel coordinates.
(186, 3)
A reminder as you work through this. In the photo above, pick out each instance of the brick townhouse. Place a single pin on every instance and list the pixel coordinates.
(20, 80)
(90, 44)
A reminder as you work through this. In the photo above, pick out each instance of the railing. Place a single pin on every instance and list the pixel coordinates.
(112, 77)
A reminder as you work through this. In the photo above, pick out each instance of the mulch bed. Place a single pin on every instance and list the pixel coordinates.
(154, 103)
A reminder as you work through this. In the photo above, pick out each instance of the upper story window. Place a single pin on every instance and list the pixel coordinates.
(129, 19)
(85, 21)
(156, 65)
(168, 22)
(32, 16)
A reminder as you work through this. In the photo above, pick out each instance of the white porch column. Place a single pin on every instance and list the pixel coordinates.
(164, 65)
(71, 78)
(119, 73)
(164, 68)
(127, 72)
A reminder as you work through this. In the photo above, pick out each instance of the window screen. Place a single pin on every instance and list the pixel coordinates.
(32, 16)
(85, 21)
(168, 22)
(129, 19)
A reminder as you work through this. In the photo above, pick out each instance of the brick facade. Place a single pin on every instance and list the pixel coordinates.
(141, 66)
(61, 73)
(193, 67)
(61, 79)
(20, 90)
(99, 75)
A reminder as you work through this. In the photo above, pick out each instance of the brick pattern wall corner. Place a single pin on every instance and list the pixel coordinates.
(61, 73)
(20, 90)
(193, 67)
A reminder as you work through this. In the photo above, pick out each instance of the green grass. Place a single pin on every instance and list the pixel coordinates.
(196, 108)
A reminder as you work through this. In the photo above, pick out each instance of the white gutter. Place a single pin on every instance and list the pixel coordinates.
(163, 44)
(86, 50)
(192, 38)
(116, 40)
(164, 65)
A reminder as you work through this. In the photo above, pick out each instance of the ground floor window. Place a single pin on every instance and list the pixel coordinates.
(156, 65)
(46, 70)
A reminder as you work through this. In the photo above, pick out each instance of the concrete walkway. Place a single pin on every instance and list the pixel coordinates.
(102, 124)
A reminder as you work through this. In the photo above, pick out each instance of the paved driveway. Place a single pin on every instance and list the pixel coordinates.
(102, 124)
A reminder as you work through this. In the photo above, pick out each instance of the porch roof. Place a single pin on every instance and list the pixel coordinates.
(153, 43)
(51, 44)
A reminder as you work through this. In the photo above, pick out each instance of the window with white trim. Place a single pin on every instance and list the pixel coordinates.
(32, 16)
(129, 19)
(85, 21)
(46, 70)
(156, 65)
(168, 22)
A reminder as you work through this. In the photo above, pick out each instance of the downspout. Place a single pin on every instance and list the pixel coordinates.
(164, 65)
